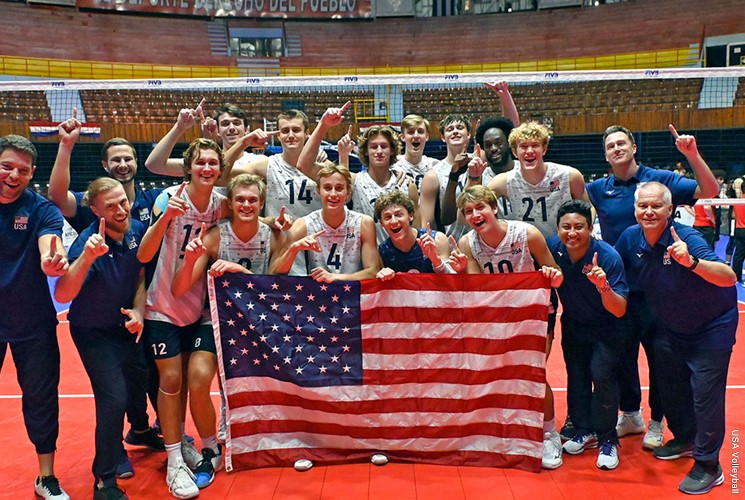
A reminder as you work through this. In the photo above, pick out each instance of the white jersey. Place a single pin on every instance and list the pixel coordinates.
(539, 203)
(244, 160)
(287, 187)
(161, 304)
(512, 255)
(252, 254)
(415, 171)
(341, 247)
(364, 194)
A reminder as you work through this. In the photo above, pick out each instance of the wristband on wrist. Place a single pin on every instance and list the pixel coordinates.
(604, 288)
(695, 263)
(474, 178)
(454, 176)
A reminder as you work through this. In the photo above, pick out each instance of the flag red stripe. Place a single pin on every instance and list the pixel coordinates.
(287, 456)
(507, 431)
(456, 282)
(454, 345)
(404, 314)
(454, 376)
(357, 407)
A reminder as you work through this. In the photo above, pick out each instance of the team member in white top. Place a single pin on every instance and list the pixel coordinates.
(537, 189)
(499, 246)
(414, 163)
(378, 149)
(340, 243)
(241, 244)
(176, 332)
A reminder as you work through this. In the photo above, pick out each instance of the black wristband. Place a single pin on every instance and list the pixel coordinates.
(454, 176)
(695, 263)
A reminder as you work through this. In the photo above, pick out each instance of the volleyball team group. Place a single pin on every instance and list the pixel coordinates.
(136, 274)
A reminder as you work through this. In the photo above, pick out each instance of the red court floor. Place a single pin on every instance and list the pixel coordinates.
(639, 475)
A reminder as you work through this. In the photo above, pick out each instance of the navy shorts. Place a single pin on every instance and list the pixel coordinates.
(165, 340)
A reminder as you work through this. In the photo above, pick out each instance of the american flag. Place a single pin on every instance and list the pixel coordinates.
(443, 369)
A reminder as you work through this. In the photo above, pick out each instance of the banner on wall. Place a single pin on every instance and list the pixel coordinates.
(300, 9)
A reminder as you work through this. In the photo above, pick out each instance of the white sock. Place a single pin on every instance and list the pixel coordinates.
(549, 426)
(174, 454)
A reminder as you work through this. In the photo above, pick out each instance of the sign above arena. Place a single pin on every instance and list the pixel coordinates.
(300, 9)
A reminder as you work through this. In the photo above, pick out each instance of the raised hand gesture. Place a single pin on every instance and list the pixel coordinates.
(457, 260)
(69, 130)
(679, 250)
(196, 248)
(309, 242)
(334, 116)
(54, 263)
(686, 144)
(499, 87)
(176, 204)
(284, 221)
(96, 245)
(187, 117)
(597, 275)
(477, 165)
(429, 247)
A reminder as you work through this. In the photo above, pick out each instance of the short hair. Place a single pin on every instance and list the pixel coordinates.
(232, 110)
(20, 144)
(98, 186)
(413, 121)
(391, 198)
(476, 193)
(618, 128)
(500, 122)
(580, 207)
(115, 141)
(386, 132)
(330, 169)
(291, 114)
(247, 180)
(453, 118)
(667, 196)
(192, 154)
(529, 130)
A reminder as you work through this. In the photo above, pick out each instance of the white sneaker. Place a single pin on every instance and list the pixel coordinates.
(48, 488)
(630, 422)
(653, 437)
(580, 443)
(191, 455)
(303, 464)
(180, 481)
(551, 450)
(608, 456)
(379, 459)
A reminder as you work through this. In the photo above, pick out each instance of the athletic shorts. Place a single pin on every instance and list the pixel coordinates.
(165, 340)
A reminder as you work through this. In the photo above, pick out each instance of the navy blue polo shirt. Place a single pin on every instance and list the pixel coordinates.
(402, 262)
(686, 306)
(26, 307)
(111, 281)
(613, 198)
(582, 302)
(141, 209)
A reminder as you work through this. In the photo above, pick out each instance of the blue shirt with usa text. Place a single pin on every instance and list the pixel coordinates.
(613, 198)
(581, 300)
(26, 307)
(111, 281)
(686, 306)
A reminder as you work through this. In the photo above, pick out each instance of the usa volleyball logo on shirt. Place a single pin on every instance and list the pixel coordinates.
(20, 223)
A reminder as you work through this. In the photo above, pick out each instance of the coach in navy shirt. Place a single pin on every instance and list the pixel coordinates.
(613, 199)
(106, 286)
(692, 293)
(30, 250)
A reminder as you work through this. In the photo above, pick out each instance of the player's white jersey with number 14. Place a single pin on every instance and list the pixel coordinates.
(287, 187)
(341, 247)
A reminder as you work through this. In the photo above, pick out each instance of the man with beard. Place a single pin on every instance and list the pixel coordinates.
(106, 332)
(119, 160)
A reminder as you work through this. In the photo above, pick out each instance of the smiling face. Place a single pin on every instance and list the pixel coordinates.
(396, 221)
(456, 135)
(16, 171)
(121, 163)
(292, 133)
(575, 233)
(619, 150)
(230, 128)
(113, 205)
(530, 152)
(205, 168)
(496, 148)
(379, 152)
(481, 216)
(334, 191)
(652, 210)
(246, 203)
(415, 138)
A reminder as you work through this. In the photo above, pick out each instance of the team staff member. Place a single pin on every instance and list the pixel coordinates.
(695, 332)
(106, 317)
(594, 297)
(613, 199)
(30, 250)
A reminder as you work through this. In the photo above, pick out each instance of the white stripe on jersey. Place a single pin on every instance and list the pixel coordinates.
(252, 254)
(512, 255)
(341, 247)
(161, 304)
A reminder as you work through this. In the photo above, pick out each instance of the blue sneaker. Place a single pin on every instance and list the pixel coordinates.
(608, 456)
(124, 468)
(204, 473)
